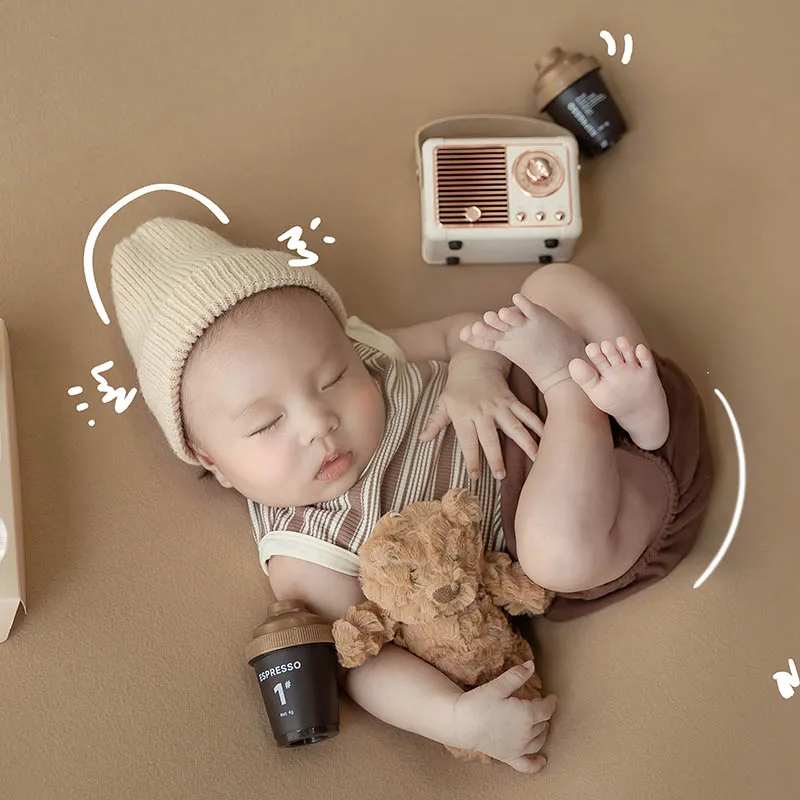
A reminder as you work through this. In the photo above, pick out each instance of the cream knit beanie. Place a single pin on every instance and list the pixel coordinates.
(170, 279)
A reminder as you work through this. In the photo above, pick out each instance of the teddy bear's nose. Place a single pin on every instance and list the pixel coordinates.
(446, 593)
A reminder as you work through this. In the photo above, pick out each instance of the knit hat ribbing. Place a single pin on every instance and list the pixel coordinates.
(170, 279)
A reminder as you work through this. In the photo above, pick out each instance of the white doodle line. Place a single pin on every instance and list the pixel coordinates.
(88, 250)
(787, 681)
(737, 512)
(612, 45)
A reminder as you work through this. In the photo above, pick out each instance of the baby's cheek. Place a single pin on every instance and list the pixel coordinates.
(274, 465)
(366, 401)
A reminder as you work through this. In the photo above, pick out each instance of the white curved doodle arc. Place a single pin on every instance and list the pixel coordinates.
(88, 250)
(737, 512)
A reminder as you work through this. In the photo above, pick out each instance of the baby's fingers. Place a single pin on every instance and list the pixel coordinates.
(540, 732)
(516, 431)
(490, 441)
(468, 442)
(529, 764)
(527, 416)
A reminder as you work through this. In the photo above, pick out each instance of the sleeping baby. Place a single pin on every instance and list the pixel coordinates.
(587, 450)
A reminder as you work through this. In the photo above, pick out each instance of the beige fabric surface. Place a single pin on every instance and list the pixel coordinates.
(127, 679)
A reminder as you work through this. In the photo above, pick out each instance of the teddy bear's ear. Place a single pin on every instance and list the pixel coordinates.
(380, 548)
(461, 508)
(374, 560)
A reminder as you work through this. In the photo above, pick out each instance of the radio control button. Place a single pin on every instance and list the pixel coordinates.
(472, 213)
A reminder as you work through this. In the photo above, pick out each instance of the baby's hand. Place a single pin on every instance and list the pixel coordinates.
(478, 400)
(507, 728)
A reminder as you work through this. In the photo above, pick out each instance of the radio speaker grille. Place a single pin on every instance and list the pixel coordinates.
(471, 176)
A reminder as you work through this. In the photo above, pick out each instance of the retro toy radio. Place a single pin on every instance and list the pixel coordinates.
(498, 189)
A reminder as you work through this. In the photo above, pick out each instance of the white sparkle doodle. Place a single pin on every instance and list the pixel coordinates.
(612, 45)
(297, 244)
(121, 400)
(787, 681)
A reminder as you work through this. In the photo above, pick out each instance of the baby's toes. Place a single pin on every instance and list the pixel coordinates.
(524, 304)
(479, 334)
(626, 348)
(481, 330)
(492, 319)
(513, 316)
(645, 357)
(582, 373)
(597, 357)
(612, 354)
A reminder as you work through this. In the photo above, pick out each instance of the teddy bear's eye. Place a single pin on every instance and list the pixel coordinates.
(411, 574)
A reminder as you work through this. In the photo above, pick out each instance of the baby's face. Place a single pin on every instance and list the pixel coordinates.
(273, 396)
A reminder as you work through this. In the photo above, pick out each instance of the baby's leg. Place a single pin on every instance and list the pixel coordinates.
(569, 502)
(623, 382)
(586, 511)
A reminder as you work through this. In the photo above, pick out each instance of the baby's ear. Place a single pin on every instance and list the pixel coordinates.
(461, 508)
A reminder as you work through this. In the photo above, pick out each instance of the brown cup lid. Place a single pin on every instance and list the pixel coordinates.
(289, 623)
(558, 70)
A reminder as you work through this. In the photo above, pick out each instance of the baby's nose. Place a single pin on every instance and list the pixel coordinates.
(321, 423)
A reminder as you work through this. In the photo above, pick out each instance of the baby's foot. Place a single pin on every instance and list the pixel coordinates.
(532, 337)
(626, 388)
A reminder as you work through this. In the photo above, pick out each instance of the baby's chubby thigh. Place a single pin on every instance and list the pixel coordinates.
(644, 504)
(580, 559)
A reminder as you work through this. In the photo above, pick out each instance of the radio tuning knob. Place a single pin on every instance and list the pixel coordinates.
(538, 173)
(538, 170)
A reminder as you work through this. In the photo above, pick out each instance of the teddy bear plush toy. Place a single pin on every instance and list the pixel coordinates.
(431, 589)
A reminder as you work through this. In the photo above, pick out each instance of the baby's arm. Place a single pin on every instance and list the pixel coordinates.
(405, 691)
(394, 686)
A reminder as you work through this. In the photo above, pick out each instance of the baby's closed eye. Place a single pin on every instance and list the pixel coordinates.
(274, 424)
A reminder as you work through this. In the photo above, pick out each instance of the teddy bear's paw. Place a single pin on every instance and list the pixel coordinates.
(371, 619)
(353, 646)
(494, 564)
(531, 607)
(497, 557)
(529, 598)
(468, 755)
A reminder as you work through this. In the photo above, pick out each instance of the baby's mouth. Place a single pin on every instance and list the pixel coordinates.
(335, 467)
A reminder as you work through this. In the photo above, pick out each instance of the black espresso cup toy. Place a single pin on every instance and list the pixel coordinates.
(571, 90)
(294, 656)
